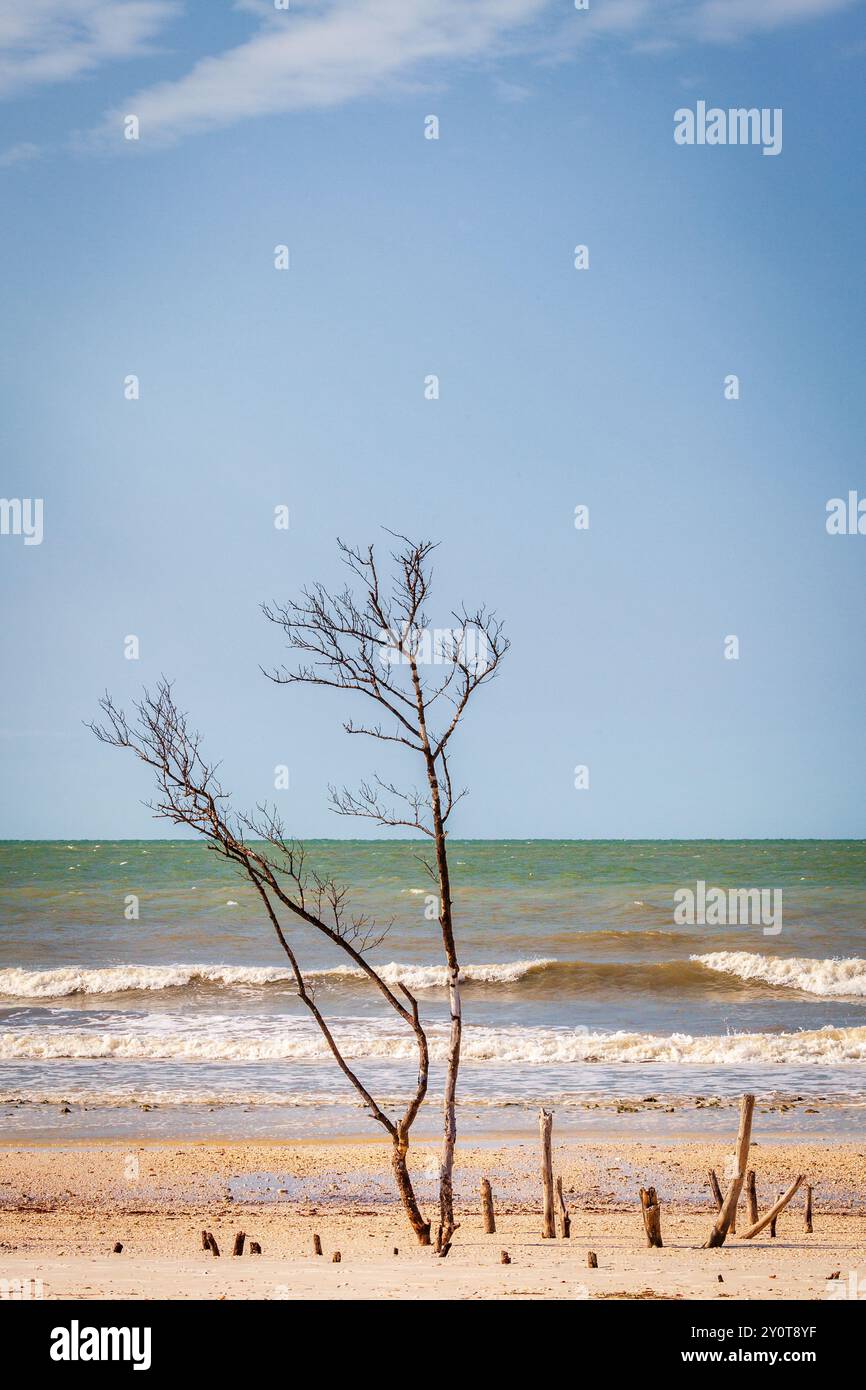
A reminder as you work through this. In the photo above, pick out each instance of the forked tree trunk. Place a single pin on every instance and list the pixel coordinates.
(774, 1210)
(407, 1193)
(729, 1206)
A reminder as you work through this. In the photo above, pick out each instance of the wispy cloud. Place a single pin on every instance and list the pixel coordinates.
(44, 41)
(322, 53)
(22, 153)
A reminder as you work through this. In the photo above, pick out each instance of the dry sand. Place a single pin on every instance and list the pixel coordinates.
(62, 1208)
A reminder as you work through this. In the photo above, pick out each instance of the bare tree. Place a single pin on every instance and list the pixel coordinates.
(190, 794)
(377, 641)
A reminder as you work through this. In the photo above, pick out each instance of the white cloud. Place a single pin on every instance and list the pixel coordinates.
(45, 41)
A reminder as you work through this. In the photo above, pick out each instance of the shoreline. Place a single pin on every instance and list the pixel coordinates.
(60, 1217)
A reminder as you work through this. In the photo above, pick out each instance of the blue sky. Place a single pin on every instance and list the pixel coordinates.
(409, 257)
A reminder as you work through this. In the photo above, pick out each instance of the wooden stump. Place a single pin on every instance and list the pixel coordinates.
(652, 1216)
(487, 1208)
(336, 1257)
(117, 1248)
(238, 1248)
(545, 1124)
(205, 1242)
(504, 1257)
(725, 1218)
(807, 1215)
(214, 1248)
(591, 1259)
(752, 1196)
(255, 1248)
(317, 1245)
(716, 1190)
(564, 1218)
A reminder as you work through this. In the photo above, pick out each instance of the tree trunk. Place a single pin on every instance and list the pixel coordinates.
(487, 1208)
(774, 1211)
(447, 1224)
(652, 1216)
(752, 1196)
(407, 1194)
(729, 1206)
(807, 1215)
(545, 1124)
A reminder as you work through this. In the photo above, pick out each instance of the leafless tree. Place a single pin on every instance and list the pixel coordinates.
(190, 794)
(374, 638)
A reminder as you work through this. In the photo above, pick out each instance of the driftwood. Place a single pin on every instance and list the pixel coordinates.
(774, 1211)
(545, 1124)
(773, 1223)
(117, 1248)
(591, 1259)
(725, 1217)
(255, 1248)
(807, 1214)
(564, 1218)
(336, 1257)
(205, 1241)
(652, 1216)
(487, 1208)
(212, 1245)
(238, 1248)
(504, 1257)
(751, 1196)
(317, 1244)
(716, 1190)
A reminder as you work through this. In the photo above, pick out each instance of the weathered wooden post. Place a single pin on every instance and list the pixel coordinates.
(752, 1196)
(317, 1244)
(255, 1248)
(716, 1190)
(807, 1215)
(729, 1206)
(545, 1124)
(238, 1248)
(591, 1259)
(564, 1218)
(652, 1216)
(487, 1208)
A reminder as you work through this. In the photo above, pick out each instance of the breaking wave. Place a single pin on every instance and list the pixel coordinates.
(829, 979)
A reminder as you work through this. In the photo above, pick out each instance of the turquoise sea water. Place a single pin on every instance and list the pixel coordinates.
(582, 991)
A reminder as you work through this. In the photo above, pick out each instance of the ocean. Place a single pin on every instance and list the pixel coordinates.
(582, 992)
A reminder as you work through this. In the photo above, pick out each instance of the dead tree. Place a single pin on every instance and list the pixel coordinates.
(190, 794)
(729, 1207)
(373, 638)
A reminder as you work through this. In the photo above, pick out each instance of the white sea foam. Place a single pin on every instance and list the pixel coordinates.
(119, 979)
(831, 979)
(218, 1039)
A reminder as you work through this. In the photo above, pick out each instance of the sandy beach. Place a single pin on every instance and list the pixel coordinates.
(63, 1208)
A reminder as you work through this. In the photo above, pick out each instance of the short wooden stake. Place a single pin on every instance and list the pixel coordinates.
(487, 1208)
(652, 1216)
(238, 1248)
(807, 1215)
(564, 1218)
(591, 1259)
(545, 1124)
(255, 1248)
(317, 1245)
(751, 1196)
(336, 1257)
(716, 1190)
(504, 1257)
(117, 1248)
(214, 1248)
(205, 1242)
